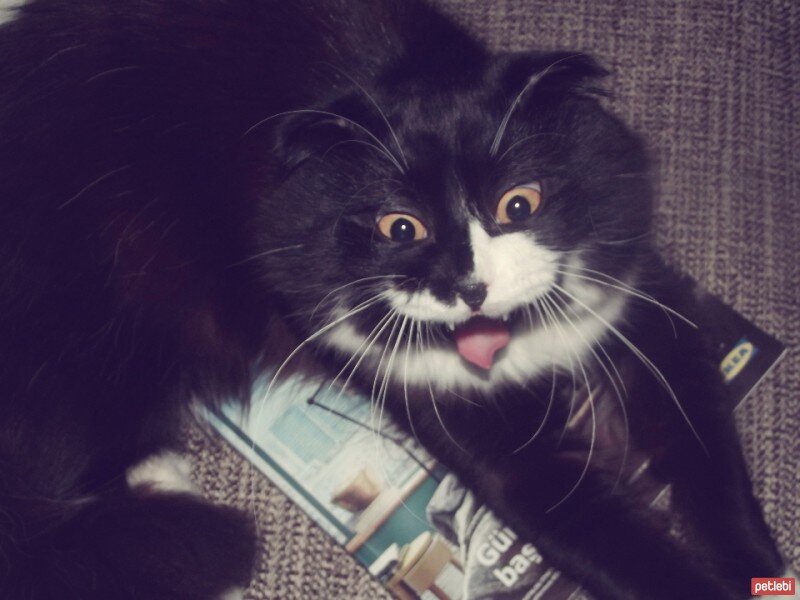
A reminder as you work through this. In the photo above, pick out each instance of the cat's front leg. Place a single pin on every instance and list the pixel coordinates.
(714, 490)
(601, 540)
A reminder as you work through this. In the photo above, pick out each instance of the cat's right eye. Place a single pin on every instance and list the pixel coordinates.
(402, 227)
(519, 203)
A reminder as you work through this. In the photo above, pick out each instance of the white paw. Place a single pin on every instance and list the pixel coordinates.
(236, 593)
(7, 12)
(167, 472)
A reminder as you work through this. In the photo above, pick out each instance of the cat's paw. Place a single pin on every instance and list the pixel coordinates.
(236, 593)
(166, 471)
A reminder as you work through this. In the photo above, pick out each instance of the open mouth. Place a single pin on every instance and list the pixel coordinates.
(479, 339)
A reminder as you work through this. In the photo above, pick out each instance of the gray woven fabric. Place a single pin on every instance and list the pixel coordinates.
(714, 87)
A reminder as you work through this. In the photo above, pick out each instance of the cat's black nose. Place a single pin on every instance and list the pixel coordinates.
(473, 294)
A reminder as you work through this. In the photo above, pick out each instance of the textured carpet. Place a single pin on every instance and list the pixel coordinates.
(715, 89)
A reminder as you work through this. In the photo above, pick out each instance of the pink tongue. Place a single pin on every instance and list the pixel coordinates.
(480, 338)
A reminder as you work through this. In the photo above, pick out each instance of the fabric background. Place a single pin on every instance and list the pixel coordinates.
(714, 86)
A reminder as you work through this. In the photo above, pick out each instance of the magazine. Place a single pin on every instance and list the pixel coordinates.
(411, 523)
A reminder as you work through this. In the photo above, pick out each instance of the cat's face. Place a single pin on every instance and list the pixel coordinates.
(451, 238)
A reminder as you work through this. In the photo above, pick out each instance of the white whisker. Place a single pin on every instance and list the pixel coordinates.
(359, 308)
(637, 294)
(593, 438)
(545, 315)
(435, 407)
(405, 378)
(549, 403)
(383, 392)
(266, 253)
(381, 145)
(623, 408)
(347, 285)
(640, 355)
(97, 181)
(374, 398)
(369, 341)
(534, 79)
(381, 113)
(522, 141)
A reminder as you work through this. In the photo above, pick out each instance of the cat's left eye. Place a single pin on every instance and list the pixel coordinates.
(401, 227)
(519, 203)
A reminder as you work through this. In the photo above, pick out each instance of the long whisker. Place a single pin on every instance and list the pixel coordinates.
(414, 328)
(366, 345)
(536, 78)
(522, 141)
(387, 373)
(326, 113)
(356, 194)
(633, 289)
(552, 301)
(623, 242)
(376, 415)
(549, 404)
(369, 340)
(330, 148)
(265, 253)
(383, 392)
(347, 285)
(380, 112)
(546, 315)
(637, 294)
(551, 317)
(93, 184)
(433, 401)
(640, 355)
(593, 438)
(411, 322)
(388, 319)
(624, 410)
(357, 309)
(528, 316)
(372, 395)
(460, 397)
(613, 366)
(599, 346)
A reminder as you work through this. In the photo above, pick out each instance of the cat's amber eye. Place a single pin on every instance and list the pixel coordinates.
(401, 227)
(519, 203)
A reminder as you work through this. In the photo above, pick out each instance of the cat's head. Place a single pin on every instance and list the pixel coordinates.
(459, 228)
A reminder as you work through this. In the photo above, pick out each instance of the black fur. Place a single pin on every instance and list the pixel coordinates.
(168, 229)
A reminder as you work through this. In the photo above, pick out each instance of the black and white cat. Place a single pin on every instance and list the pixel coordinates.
(193, 191)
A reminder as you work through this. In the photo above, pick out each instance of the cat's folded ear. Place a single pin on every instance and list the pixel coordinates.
(305, 133)
(552, 74)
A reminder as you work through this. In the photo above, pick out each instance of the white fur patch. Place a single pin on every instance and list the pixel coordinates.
(424, 306)
(167, 472)
(530, 353)
(515, 269)
(7, 12)
(236, 593)
(517, 272)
